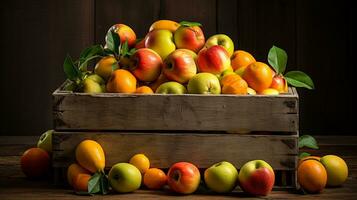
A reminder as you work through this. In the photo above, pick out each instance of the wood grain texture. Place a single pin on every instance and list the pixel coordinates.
(164, 149)
(232, 113)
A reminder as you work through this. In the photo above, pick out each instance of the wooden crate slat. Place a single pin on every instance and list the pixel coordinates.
(165, 149)
(231, 113)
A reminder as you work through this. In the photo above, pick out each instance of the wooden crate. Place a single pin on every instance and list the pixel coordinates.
(202, 129)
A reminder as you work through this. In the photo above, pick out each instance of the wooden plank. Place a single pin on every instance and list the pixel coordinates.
(137, 14)
(164, 149)
(203, 11)
(232, 113)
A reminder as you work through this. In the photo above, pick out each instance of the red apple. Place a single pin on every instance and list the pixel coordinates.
(256, 177)
(145, 64)
(183, 177)
(125, 33)
(140, 44)
(180, 66)
(279, 83)
(191, 38)
(214, 59)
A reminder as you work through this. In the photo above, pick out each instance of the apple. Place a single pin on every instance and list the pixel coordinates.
(124, 177)
(45, 141)
(93, 84)
(125, 33)
(222, 40)
(256, 177)
(214, 59)
(140, 44)
(161, 41)
(193, 54)
(171, 87)
(183, 178)
(221, 177)
(189, 37)
(160, 80)
(106, 66)
(279, 83)
(145, 64)
(204, 83)
(180, 66)
(336, 168)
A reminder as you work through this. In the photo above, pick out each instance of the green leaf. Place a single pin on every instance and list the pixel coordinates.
(115, 66)
(85, 62)
(299, 79)
(304, 154)
(131, 52)
(91, 51)
(70, 86)
(94, 183)
(72, 72)
(113, 41)
(278, 58)
(123, 49)
(307, 141)
(190, 24)
(104, 184)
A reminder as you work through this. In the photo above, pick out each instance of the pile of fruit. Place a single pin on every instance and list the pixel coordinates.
(256, 177)
(175, 58)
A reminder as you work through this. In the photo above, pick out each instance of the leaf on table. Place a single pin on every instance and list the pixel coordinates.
(307, 141)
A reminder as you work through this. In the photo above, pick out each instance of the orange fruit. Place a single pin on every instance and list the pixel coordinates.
(90, 155)
(144, 90)
(164, 25)
(141, 162)
(155, 178)
(312, 175)
(269, 91)
(308, 158)
(73, 170)
(80, 182)
(259, 76)
(241, 59)
(229, 79)
(121, 81)
(104, 67)
(35, 162)
(238, 87)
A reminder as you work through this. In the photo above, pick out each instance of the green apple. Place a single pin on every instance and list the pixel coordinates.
(336, 168)
(161, 41)
(124, 177)
(94, 84)
(204, 83)
(171, 87)
(221, 177)
(45, 141)
(222, 40)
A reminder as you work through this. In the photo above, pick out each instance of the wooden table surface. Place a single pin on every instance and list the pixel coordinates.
(14, 185)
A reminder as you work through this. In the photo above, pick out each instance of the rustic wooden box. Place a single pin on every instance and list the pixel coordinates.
(202, 129)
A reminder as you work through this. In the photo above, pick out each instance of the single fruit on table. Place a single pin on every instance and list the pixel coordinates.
(171, 87)
(241, 59)
(269, 91)
(162, 79)
(240, 71)
(141, 162)
(125, 33)
(164, 25)
(35, 162)
(204, 83)
(80, 182)
(250, 91)
(279, 83)
(221, 177)
(312, 176)
(191, 38)
(124, 177)
(161, 41)
(73, 170)
(45, 141)
(222, 40)
(214, 59)
(145, 64)
(259, 76)
(179, 66)
(256, 177)
(105, 67)
(238, 86)
(121, 81)
(93, 84)
(155, 178)
(90, 155)
(183, 177)
(336, 168)
(144, 90)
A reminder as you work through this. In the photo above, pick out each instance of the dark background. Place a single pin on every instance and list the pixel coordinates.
(318, 36)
